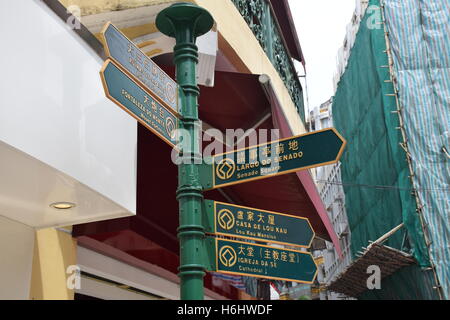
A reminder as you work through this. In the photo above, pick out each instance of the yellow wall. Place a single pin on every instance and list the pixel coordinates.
(54, 251)
(89, 7)
(16, 259)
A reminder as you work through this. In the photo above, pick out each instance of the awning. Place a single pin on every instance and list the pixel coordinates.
(287, 25)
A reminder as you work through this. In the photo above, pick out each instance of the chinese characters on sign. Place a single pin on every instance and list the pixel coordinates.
(124, 52)
(254, 260)
(254, 224)
(274, 158)
(130, 96)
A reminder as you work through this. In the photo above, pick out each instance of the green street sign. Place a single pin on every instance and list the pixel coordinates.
(255, 260)
(254, 224)
(278, 157)
(131, 97)
(140, 67)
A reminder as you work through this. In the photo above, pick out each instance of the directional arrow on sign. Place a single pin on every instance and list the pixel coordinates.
(255, 260)
(131, 97)
(278, 157)
(254, 224)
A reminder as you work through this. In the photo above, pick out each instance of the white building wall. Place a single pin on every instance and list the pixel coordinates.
(53, 111)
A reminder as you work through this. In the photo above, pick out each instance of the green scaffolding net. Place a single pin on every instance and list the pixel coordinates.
(379, 194)
(419, 37)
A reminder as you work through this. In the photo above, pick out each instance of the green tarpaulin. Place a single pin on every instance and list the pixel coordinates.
(379, 192)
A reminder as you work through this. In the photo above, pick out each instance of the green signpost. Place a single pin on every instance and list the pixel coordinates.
(274, 158)
(254, 224)
(255, 260)
(185, 22)
(131, 97)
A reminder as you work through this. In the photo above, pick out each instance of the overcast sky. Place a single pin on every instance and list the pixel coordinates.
(321, 27)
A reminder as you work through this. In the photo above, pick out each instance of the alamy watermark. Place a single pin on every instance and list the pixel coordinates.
(73, 277)
(73, 21)
(374, 280)
(250, 147)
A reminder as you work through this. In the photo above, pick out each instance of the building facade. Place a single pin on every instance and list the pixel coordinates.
(87, 194)
(329, 183)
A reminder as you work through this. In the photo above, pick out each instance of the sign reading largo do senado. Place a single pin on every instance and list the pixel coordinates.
(273, 158)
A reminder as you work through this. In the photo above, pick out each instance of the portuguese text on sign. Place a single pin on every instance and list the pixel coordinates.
(131, 97)
(124, 52)
(254, 260)
(254, 224)
(274, 158)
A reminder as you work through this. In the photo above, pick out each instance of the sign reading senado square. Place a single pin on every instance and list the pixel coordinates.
(273, 158)
(255, 260)
(135, 62)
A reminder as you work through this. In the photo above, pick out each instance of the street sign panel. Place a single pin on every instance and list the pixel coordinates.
(124, 52)
(274, 158)
(255, 260)
(131, 97)
(254, 224)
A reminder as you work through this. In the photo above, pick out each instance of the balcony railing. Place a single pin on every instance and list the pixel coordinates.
(262, 21)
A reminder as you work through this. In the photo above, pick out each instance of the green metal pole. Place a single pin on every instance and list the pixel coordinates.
(185, 22)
